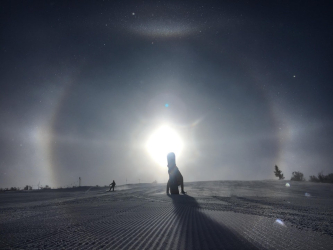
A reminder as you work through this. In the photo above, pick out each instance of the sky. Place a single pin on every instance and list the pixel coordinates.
(102, 90)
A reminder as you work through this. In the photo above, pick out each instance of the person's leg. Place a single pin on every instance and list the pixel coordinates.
(181, 180)
(168, 187)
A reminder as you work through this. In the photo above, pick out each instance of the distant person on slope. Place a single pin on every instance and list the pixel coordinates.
(112, 185)
(175, 177)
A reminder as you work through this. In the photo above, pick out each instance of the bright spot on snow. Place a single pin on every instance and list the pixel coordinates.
(307, 194)
(163, 141)
(287, 184)
(280, 222)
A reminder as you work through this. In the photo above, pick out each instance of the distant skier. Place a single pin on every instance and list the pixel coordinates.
(112, 185)
(175, 177)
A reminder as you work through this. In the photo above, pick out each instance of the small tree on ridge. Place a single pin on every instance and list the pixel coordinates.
(297, 176)
(278, 173)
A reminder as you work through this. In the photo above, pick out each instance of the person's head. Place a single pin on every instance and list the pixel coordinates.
(171, 157)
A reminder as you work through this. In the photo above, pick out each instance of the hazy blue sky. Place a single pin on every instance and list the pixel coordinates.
(84, 84)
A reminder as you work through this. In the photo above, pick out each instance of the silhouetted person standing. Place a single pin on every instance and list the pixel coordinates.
(175, 177)
(112, 185)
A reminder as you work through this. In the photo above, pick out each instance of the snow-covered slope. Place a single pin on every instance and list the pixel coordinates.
(213, 215)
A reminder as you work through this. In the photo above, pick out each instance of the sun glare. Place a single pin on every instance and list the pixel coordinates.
(163, 141)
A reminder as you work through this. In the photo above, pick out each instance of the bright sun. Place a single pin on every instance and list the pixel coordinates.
(163, 141)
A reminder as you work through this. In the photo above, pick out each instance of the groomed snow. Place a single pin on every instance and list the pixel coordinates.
(213, 215)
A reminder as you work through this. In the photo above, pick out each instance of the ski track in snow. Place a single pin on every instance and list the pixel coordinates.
(214, 215)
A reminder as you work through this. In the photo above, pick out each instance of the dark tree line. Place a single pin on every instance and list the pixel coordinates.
(322, 178)
(298, 176)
